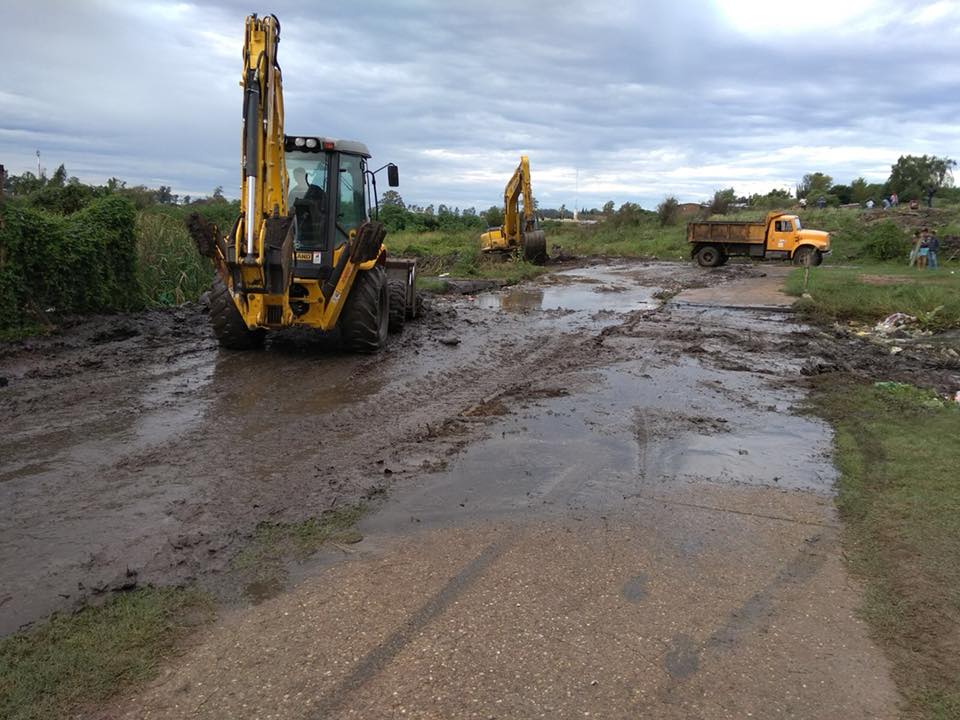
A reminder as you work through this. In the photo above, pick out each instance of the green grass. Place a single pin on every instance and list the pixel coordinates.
(645, 239)
(457, 252)
(872, 292)
(170, 269)
(73, 661)
(262, 564)
(899, 495)
(20, 332)
(299, 540)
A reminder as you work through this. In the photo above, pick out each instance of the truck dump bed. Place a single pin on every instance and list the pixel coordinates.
(726, 231)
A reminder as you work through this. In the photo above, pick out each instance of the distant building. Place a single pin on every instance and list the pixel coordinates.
(689, 208)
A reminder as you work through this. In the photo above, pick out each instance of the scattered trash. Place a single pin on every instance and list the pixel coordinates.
(896, 349)
(444, 275)
(450, 340)
(894, 322)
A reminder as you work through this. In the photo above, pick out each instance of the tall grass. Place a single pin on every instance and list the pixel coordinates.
(170, 268)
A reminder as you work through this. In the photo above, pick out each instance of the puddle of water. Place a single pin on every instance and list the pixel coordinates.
(585, 290)
(626, 437)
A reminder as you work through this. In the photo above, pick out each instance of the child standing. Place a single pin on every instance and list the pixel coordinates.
(924, 250)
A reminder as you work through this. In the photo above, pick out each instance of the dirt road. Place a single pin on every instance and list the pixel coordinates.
(597, 504)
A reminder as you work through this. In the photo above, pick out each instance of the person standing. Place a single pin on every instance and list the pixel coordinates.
(930, 192)
(894, 199)
(933, 247)
(924, 250)
(915, 248)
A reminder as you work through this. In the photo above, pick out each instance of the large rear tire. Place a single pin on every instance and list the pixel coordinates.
(708, 256)
(227, 323)
(365, 319)
(398, 304)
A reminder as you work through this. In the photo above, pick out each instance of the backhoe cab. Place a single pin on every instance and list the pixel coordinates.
(304, 250)
(520, 229)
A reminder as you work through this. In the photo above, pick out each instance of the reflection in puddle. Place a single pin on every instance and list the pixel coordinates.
(627, 437)
(584, 290)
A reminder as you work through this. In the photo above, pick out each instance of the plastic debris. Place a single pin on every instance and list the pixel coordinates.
(894, 322)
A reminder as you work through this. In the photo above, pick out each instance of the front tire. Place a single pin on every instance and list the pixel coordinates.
(398, 305)
(228, 326)
(365, 319)
(807, 255)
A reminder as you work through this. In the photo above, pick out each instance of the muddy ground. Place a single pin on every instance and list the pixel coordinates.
(622, 425)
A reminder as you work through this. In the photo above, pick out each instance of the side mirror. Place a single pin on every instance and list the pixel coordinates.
(393, 175)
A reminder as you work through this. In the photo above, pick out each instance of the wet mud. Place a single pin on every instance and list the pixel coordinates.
(137, 452)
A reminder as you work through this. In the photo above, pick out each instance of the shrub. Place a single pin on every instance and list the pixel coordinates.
(84, 262)
(885, 241)
(668, 211)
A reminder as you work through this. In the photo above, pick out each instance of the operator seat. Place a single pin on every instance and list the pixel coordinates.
(310, 213)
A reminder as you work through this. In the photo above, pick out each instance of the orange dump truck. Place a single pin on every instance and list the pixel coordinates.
(780, 237)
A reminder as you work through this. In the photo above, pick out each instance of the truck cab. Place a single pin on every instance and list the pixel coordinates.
(786, 237)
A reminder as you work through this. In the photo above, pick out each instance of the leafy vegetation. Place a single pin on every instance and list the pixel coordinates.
(899, 495)
(82, 262)
(72, 661)
(668, 211)
(68, 247)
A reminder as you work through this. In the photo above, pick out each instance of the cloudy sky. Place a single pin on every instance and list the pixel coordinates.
(611, 100)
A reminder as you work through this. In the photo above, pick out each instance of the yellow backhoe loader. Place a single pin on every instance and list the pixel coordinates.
(519, 230)
(304, 250)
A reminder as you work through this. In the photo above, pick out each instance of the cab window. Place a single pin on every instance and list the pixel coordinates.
(351, 210)
(306, 199)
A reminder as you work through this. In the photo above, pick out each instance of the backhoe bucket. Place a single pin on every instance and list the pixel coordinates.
(535, 247)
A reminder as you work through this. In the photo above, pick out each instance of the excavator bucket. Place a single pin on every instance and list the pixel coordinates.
(535, 246)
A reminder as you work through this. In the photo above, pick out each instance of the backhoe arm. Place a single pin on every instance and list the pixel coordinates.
(519, 184)
(264, 180)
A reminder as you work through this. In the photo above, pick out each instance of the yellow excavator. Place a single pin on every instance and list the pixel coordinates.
(519, 230)
(304, 250)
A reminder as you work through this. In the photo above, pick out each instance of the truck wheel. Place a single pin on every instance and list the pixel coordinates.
(228, 325)
(398, 305)
(709, 256)
(807, 255)
(366, 316)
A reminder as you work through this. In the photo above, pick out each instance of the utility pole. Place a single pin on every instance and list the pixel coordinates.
(38, 164)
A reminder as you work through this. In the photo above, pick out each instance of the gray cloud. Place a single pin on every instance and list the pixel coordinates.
(636, 99)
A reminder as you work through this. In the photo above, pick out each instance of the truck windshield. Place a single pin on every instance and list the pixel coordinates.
(797, 225)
